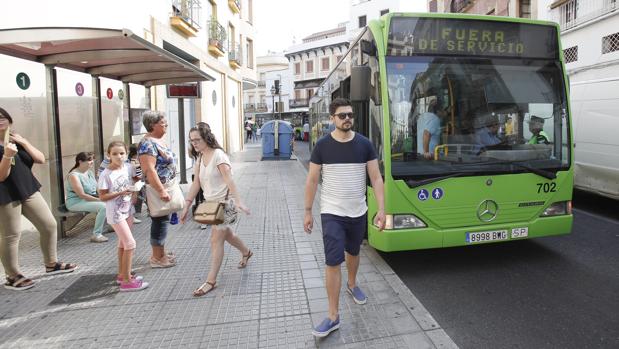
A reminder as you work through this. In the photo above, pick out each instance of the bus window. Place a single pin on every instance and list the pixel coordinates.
(473, 110)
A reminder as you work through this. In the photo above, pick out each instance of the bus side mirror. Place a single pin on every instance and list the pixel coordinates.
(360, 83)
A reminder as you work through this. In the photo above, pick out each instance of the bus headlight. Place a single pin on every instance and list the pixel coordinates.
(403, 221)
(558, 209)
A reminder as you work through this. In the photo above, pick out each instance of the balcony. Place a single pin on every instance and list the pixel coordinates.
(298, 103)
(255, 107)
(571, 13)
(261, 107)
(235, 56)
(235, 6)
(186, 16)
(216, 38)
(249, 107)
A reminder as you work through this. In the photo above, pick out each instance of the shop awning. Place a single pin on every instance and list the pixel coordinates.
(302, 84)
(111, 53)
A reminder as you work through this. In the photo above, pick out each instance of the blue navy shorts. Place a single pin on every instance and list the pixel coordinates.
(341, 234)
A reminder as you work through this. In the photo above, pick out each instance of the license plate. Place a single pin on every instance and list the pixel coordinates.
(483, 236)
(520, 232)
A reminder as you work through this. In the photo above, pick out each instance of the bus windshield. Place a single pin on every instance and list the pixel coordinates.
(475, 115)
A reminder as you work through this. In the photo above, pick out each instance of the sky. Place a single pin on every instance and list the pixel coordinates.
(277, 22)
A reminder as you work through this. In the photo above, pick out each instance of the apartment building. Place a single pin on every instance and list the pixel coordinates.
(312, 60)
(270, 99)
(535, 9)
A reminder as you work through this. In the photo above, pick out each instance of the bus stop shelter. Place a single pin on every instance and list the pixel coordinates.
(117, 54)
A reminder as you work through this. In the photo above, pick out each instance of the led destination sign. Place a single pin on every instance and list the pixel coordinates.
(410, 36)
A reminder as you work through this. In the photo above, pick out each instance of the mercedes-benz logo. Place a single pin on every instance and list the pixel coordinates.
(487, 211)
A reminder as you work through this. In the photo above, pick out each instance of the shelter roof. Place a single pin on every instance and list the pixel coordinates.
(112, 53)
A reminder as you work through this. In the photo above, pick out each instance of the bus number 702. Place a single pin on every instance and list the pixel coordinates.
(546, 187)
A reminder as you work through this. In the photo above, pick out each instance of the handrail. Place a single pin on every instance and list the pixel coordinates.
(188, 10)
(217, 34)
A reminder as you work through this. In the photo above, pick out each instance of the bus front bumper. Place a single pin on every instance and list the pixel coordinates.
(424, 238)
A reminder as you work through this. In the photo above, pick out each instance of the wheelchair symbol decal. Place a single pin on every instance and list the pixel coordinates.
(422, 195)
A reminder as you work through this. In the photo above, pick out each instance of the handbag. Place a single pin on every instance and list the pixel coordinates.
(211, 212)
(160, 208)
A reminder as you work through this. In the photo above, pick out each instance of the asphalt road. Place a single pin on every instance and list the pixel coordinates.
(555, 292)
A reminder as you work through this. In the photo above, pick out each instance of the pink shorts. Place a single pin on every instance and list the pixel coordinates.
(123, 231)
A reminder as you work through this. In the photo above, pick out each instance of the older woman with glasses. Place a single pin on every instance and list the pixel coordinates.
(82, 193)
(158, 164)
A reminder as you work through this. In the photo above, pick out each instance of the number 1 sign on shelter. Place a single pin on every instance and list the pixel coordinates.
(23, 81)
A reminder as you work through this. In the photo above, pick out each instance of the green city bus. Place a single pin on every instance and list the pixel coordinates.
(495, 90)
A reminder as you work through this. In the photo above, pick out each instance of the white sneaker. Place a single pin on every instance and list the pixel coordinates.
(203, 226)
(98, 238)
(136, 220)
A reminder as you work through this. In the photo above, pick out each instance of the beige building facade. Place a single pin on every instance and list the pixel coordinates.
(215, 36)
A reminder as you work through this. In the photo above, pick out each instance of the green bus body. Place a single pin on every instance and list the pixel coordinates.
(496, 198)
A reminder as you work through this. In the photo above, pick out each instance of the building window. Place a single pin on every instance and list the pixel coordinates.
(309, 66)
(433, 6)
(250, 53)
(570, 54)
(384, 12)
(324, 63)
(297, 68)
(525, 8)
(570, 11)
(297, 94)
(362, 21)
(610, 43)
(231, 37)
(310, 93)
(250, 11)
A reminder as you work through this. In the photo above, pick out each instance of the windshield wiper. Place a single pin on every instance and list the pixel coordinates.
(414, 184)
(537, 171)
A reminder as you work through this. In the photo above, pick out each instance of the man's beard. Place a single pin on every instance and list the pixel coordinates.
(344, 127)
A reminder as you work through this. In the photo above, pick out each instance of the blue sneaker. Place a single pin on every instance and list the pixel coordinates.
(326, 327)
(357, 295)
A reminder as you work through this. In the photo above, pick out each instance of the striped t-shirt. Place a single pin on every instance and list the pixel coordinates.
(344, 171)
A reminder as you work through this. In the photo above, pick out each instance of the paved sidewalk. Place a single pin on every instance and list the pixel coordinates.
(273, 303)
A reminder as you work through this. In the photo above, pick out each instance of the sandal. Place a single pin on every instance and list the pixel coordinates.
(165, 262)
(60, 268)
(171, 256)
(245, 259)
(204, 289)
(18, 283)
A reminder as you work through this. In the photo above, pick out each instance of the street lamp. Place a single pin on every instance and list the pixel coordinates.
(273, 90)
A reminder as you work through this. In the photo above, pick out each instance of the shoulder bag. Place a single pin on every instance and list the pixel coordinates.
(160, 208)
(211, 212)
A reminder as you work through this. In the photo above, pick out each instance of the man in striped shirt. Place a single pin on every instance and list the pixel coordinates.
(345, 158)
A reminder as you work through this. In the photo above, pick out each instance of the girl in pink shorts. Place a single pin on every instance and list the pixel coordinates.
(115, 189)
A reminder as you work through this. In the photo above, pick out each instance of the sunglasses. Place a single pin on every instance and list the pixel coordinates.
(343, 116)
